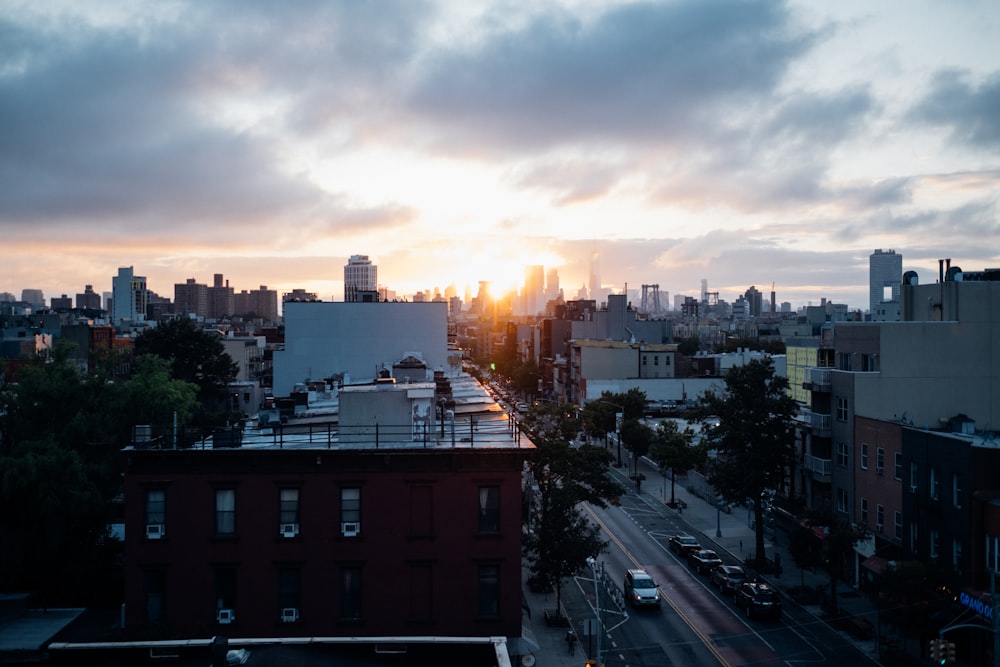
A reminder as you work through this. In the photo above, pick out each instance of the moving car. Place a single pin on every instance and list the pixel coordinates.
(727, 577)
(758, 598)
(703, 560)
(681, 544)
(640, 589)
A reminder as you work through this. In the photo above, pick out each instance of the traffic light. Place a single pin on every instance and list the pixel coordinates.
(949, 652)
(937, 651)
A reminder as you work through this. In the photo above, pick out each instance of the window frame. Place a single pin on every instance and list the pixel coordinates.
(156, 516)
(864, 456)
(488, 514)
(488, 591)
(223, 513)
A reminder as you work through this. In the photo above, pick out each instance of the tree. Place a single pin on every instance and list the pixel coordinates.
(673, 448)
(840, 536)
(636, 438)
(562, 538)
(749, 424)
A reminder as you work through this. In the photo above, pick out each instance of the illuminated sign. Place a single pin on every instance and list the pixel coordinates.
(977, 605)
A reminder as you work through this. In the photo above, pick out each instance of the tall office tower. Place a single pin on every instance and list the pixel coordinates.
(89, 299)
(33, 297)
(533, 296)
(262, 303)
(62, 303)
(755, 301)
(221, 299)
(360, 279)
(596, 292)
(704, 290)
(552, 284)
(191, 298)
(129, 296)
(885, 275)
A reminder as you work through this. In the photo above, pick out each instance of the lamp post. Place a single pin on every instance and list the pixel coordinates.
(718, 517)
(592, 562)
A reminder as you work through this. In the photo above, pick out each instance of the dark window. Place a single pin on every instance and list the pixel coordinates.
(864, 456)
(841, 409)
(350, 505)
(225, 511)
(421, 510)
(156, 589)
(225, 588)
(489, 591)
(289, 588)
(421, 591)
(289, 506)
(897, 459)
(489, 509)
(156, 506)
(350, 593)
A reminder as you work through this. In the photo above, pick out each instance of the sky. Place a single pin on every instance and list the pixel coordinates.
(740, 142)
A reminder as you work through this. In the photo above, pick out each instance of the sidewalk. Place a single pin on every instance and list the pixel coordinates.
(726, 532)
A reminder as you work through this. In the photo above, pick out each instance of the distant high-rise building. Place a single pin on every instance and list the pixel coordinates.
(129, 296)
(885, 275)
(755, 301)
(221, 299)
(33, 297)
(360, 279)
(191, 298)
(552, 290)
(262, 303)
(596, 291)
(88, 299)
(704, 290)
(533, 296)
(62, 303)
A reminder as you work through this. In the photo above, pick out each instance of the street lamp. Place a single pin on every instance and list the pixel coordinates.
(718, 517)
(592, 562)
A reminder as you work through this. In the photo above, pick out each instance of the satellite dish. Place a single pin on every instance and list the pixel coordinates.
(527, 660)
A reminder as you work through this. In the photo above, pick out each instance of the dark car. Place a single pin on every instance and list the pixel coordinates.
(682, 544)
(703, 560)
(727, 577)
(640, 589)
(758, 598)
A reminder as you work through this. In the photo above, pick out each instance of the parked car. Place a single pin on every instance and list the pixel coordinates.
(703, 560)
(640, 589)
(758, 598)
(728, 577)
(682, 544)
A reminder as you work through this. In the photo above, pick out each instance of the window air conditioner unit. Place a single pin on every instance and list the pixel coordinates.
(289, 615)
(913, 488)
(879, 528)
(154, 531)
(225, 616)
(289, 529)
(350, 528)
(879, 471)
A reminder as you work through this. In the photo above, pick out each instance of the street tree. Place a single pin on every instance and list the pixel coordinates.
(673, 448)
(839, 537)
(749, 425)
(637, 439)
(561, 537)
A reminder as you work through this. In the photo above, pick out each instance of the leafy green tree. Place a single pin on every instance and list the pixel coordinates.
(749, 424)
(561, 538)
(637, 439)
(672, 448)
(195, 356)
(689, 346)
(840, 536)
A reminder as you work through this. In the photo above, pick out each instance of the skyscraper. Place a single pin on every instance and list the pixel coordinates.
(129, 296)
(596, 291)
(360, 279)
(533, 297)
(885, 275)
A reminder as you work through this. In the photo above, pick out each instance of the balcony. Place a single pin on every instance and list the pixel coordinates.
(816, 379)
(821, 469)
(820, 424)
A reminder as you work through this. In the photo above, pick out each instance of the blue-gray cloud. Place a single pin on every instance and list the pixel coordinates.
(970, 112)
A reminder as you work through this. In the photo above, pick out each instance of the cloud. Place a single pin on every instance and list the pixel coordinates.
(971, 112)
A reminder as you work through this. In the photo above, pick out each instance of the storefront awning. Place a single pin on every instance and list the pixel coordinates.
(875, 564)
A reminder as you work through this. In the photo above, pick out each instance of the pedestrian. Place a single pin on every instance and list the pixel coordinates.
(570, 641)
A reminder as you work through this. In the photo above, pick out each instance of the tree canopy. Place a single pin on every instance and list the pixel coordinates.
(750, 426)
(673, 448)
(195, 356)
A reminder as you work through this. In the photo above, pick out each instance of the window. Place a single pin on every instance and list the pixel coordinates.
(350, 511)
(644, 360)
(421, 591)
(956, 553)
(288, 511)
(841, 409)
(879, 518)
(489, 591)
(913, 477)
(913, 538)
(864, 511)
(897, 460)
(897, 527)
(350, 593)
(933, 482)
(225, 511)
(156, 588)
(156, 513)
(842, 457)
(225, 589)
(956, 491)
(844, 361)
(656, 360)
(864, 456)
(932, 546)
(489, 509)
(421, 510)
(879, 460)
(289, 593)
(841, 500)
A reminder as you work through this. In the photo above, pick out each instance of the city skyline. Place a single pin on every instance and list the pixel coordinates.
(744, 143)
